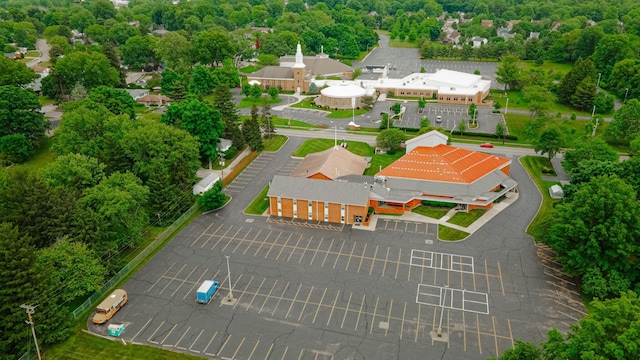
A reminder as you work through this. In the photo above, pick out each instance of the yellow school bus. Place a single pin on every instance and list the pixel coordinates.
(109, 306)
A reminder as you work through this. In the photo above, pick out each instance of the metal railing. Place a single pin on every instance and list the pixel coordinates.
(134, 262)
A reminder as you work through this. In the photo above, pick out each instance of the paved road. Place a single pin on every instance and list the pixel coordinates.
(43, 47)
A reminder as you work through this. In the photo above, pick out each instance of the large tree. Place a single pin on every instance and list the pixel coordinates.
(550, 142)
(599, 229)
(89, 69)
(595, 149)
(581, 70)
(390, 138)
(626, 123)
(166, 159)
(509, 73)
(201, 81)
(73, 264)
(117, 101)
(137, 51)
(15, 73)
(20, 116)
(112, 213)
(22, 283)
(175, 51)
(251, 131)
(200, 120)
(609, 331)
(74, 171)
(211, 47)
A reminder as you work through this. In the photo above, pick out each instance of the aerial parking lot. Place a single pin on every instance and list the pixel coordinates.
(324, 292)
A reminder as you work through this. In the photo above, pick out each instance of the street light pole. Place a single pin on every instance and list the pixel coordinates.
(506, 108)
(626, 92)
(599, 76)
(230, 295)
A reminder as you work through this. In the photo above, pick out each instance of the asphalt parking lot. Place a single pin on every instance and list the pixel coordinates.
(403, 62)
(307, 292)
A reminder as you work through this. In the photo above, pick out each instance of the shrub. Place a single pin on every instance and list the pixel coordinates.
(231, 153)
(437, 204)
(212, 198)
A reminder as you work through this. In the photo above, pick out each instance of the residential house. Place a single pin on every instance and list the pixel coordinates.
(486, 23)
(154, 99)
(478, 41)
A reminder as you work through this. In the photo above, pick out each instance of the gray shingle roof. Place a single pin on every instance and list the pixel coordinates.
(321, 66)
(273, 72)
(338, 192)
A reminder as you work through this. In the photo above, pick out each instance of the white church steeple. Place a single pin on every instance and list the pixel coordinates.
(299, 62)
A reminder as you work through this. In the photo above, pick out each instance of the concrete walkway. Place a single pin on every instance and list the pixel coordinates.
(411, 216)
(203, 173)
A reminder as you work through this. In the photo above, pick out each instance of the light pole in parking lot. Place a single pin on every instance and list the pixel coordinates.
(442, 303)
(506, 108)
(229, 300)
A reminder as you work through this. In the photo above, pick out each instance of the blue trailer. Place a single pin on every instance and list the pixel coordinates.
(206, 291)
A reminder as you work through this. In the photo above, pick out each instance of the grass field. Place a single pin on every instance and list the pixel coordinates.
(44, 100)
(260, 204)
(41, 158)
(381, 161)
(274, 143)
(250, 69)
(466, 219)
(248, 102)
(83, 346)
(397, 43)
(317, 145)
(534, 165)
(449, 234)
(430, 211)
(573, 130)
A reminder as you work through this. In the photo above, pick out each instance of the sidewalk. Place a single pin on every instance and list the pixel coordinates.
(203, 173)
(411, 216)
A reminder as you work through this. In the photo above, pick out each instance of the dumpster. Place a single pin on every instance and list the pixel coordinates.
(115, 329)
(206, 291)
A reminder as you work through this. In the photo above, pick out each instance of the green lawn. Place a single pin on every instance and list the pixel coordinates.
(449, 234)
(573, 130)
(381, 161)
(248, 102)
(557, 70)
(307, 103)
(260, 204)
(250, 69)
(343, 114)
(534, 165)
(466, 219)
(274, 143)
(82, 346)
(430, 211)
(282, 122)
(33, 53)
(317, 145)
(44, 100)
(41, 159)
(397, 43)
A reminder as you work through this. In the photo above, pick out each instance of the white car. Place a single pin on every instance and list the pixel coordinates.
(438, 119)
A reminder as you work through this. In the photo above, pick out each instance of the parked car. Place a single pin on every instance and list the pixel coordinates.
(486, 145)
(438, 119)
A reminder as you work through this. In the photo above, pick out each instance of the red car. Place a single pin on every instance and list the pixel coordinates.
(486, 145)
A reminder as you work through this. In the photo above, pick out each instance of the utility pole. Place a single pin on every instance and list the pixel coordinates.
(626, 92)
(30, 310)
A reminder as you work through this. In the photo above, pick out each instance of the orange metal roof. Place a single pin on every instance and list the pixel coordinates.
(444, 163)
